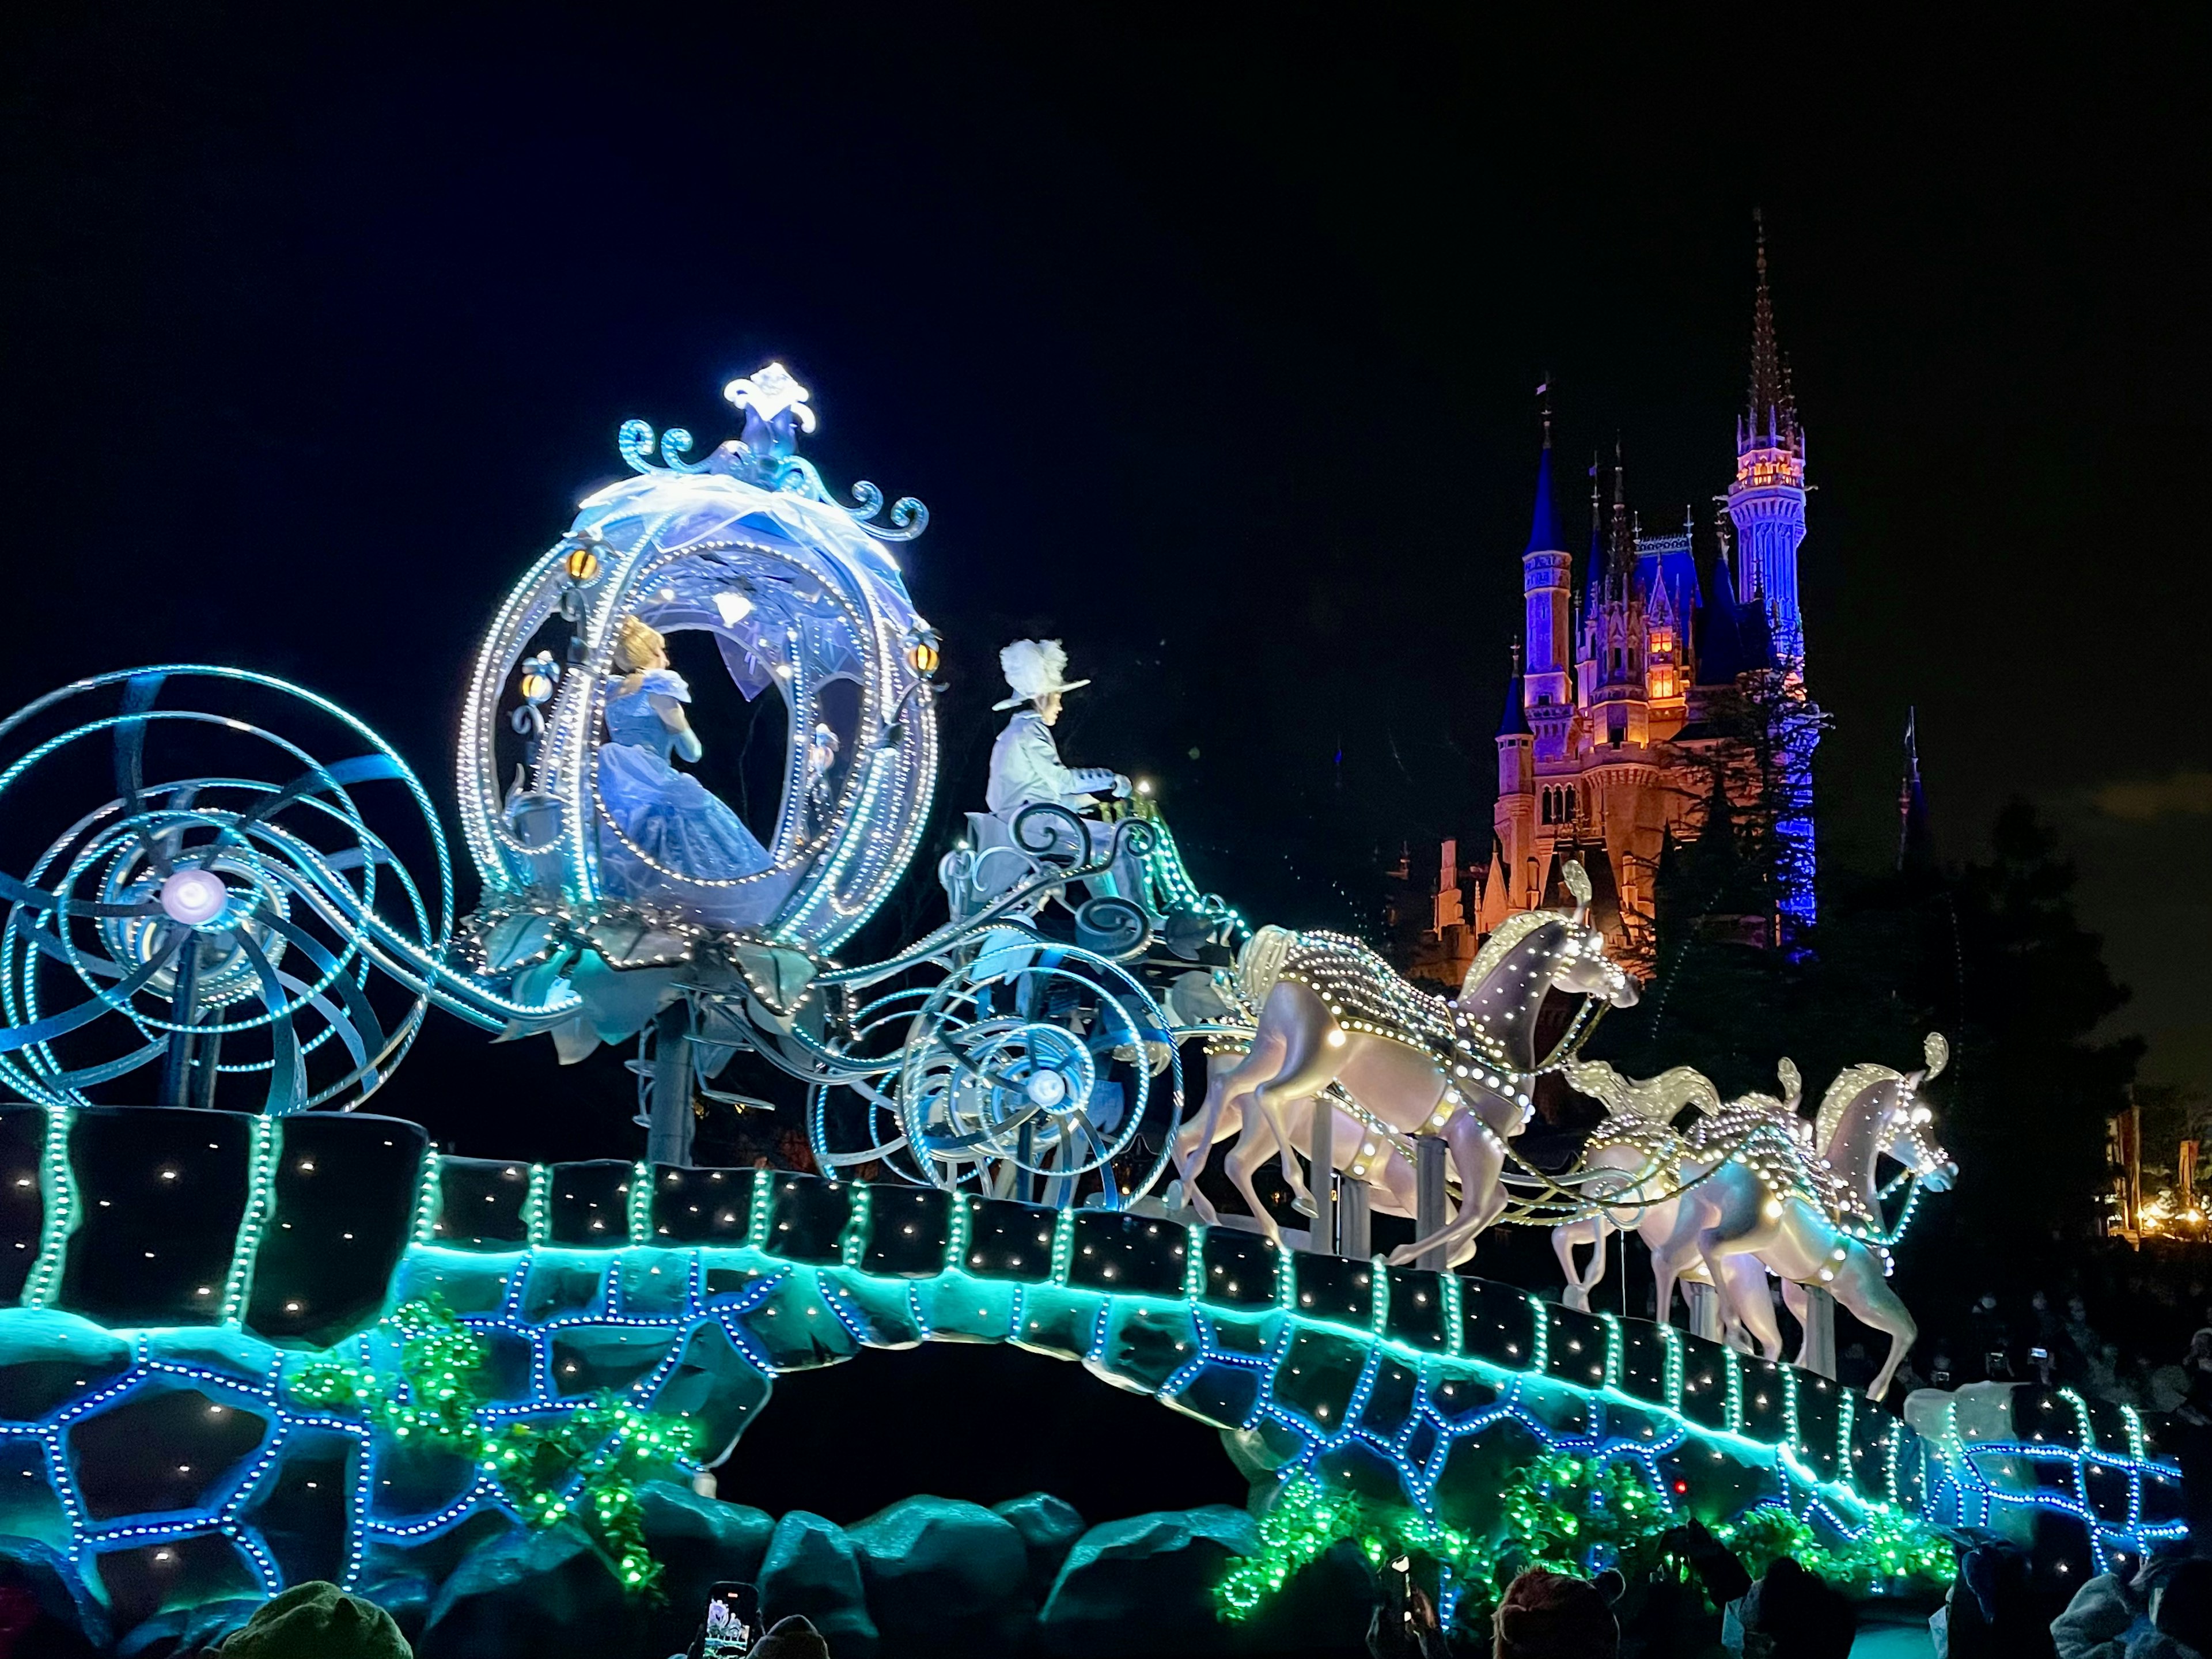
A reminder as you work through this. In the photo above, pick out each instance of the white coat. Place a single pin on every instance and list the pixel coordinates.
(1025, 767)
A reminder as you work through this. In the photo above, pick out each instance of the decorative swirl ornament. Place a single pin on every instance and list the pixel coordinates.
(240, 922)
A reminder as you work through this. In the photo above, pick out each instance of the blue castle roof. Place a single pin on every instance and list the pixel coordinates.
(1514, 722)
(1544, 525)
(1721, 645)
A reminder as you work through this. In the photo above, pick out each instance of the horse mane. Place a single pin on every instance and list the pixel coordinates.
(1259, 963)
(1508, 934)
(1650, 1100)
(1851, 1083)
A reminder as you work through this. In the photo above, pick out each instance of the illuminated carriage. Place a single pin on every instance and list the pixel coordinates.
(993, 1053)
(802, 598)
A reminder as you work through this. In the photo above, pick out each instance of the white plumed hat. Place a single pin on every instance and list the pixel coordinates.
(1033, 669)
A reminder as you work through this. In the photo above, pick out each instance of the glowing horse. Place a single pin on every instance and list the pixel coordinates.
(1334, 1017)
(1816, 1223)
(1654, 1166)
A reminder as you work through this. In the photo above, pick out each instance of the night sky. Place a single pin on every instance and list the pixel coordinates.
(1211, 355)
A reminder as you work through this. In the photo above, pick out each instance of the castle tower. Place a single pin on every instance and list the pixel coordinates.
(1767, 499)
(1547, 595)
(1513, 820)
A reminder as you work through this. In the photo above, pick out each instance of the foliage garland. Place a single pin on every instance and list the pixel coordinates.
(1888, 1546)
(582, 1463)
(1570, 1514)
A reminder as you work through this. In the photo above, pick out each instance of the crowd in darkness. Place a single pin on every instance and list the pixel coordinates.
(2132, 1329)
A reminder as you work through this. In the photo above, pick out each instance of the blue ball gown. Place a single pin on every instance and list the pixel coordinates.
(669, 816)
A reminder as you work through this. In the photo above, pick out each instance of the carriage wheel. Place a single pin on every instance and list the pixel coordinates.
(1030, 1072)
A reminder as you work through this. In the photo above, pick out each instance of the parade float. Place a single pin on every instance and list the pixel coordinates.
(254, 1332)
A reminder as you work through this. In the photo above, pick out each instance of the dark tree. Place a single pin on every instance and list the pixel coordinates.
(2035, 1085)
(1992, 955)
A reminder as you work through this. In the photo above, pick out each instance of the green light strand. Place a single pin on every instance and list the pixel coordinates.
(1562, 1511)
(428, 1199)
(57, 1193)
(260, 1186)
(1891, 1547)
(756, 1218)
(581, 1463)
(1570, 1514)
(535, 1207)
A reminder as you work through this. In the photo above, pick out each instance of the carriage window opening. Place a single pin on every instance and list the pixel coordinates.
(747, 742)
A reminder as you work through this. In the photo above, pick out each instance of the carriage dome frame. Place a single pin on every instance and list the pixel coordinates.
(800, 593)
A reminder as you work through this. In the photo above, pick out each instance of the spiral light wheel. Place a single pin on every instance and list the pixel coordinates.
(1033, 1070)
(216, 927)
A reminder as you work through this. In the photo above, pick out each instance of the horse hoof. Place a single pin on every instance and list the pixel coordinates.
(1304, 1205)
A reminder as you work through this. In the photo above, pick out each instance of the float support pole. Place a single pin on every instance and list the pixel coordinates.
(1704, 1311)
(669, 1138)
(1354, 1234)
(1817, 1353)
(1322, 1177)
(207, 1056)
(1429, 1218)
(184, 1003)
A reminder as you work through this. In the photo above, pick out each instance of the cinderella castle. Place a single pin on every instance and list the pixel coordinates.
(1653, 693)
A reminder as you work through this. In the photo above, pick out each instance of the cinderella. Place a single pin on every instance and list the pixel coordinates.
(666, 824)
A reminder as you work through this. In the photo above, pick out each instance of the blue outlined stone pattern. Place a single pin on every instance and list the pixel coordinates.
(691, 1291)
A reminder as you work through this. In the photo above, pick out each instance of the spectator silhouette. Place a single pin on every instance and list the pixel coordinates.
(2163, 1612)
(1549, 1615)
(316, 1620)
(2080, 1335)
(1992, 1338)
(1798, 1616)
(1993, 1611)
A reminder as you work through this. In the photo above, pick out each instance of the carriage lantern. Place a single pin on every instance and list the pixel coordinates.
(583, 564)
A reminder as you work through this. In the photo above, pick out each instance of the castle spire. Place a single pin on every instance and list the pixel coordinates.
(1544, 524)
(1621, 560)
(1514, 722)
(1594, 566)
(1915, 845)
(1772, 421)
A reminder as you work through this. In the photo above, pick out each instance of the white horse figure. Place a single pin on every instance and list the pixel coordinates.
(1334, 1017)
(1654, 1164)
(1815, 1222)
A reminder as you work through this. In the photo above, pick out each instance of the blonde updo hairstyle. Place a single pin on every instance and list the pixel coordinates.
(636, 645)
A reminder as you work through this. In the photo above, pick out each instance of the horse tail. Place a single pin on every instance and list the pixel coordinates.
(1655, 1100)
(1598, 1081)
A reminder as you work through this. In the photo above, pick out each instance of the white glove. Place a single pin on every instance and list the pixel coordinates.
(1121, 786)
